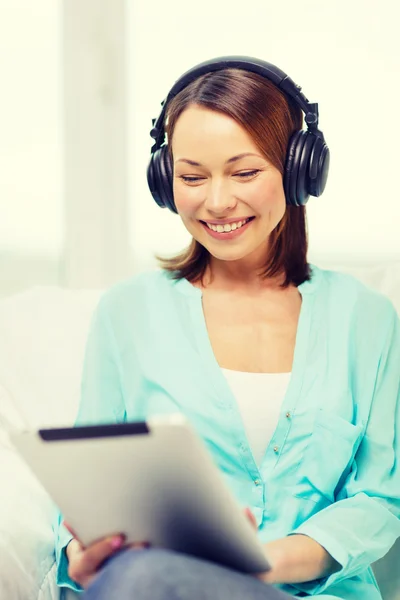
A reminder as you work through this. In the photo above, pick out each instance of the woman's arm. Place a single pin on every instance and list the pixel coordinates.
(297, 558)
(363, 522)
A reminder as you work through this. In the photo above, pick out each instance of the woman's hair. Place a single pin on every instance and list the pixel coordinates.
(270, 118)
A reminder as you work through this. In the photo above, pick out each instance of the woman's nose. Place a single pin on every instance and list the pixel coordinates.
(219, 199)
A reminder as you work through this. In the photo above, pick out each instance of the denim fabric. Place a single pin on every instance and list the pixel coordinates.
(164, 575)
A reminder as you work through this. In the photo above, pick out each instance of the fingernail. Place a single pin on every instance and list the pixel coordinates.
(116, 542)
(69, 528)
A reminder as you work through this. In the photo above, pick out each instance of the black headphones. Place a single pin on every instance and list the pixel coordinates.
(307, 158)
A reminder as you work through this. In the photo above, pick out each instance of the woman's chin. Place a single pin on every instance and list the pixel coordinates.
(228, 254)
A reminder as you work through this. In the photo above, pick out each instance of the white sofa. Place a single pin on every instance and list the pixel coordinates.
(42, 339)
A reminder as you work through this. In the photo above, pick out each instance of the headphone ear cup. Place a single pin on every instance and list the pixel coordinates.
(306, 169)
(159, 178)
(295, 148)
(153, 179)
(167, 174)
(319, 167)
(303, 169)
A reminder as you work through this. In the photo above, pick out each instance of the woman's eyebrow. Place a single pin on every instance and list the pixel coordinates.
(230, 160)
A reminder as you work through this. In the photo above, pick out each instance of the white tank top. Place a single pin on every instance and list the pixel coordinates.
(259, 397)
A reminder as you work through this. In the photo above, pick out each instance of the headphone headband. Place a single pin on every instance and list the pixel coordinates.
(255, 65)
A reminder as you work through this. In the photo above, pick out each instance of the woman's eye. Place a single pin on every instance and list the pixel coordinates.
(188, 179)
(247, 174)
(243, 175)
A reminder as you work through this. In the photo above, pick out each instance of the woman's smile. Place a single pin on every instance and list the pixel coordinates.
(227, 231)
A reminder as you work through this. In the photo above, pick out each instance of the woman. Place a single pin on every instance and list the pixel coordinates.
(289, 373)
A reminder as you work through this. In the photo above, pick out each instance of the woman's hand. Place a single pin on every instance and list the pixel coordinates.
(85, 562)
(251, 517)
(295, 559)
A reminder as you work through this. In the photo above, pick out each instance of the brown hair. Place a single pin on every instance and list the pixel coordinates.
(270, 118)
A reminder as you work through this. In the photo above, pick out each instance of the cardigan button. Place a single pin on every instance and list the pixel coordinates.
(288, 415)
(276, 448)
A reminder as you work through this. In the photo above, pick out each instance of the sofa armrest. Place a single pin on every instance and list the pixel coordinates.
(27, 560)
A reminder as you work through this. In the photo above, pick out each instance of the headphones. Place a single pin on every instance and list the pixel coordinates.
(307, 157)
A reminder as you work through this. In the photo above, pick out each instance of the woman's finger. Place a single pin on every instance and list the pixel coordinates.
(84, 565)
(251, 517)
(69, 528)
(138, 545)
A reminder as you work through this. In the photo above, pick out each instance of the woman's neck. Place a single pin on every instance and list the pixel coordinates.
(234, 278)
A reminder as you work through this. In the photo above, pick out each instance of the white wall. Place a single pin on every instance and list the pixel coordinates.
(345, 55)
(31, 203)
(31, 144)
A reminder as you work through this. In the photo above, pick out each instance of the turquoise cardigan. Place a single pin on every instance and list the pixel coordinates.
(332, 468)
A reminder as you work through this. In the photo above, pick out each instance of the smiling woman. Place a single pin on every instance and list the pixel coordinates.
(228, 135)
(288, 372)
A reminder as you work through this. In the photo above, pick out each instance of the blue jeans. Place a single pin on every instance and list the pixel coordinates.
(155, 574)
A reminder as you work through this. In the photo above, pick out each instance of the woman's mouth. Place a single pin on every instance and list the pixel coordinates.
(227, 231)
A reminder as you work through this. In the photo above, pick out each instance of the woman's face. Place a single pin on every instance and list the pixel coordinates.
(217, 189)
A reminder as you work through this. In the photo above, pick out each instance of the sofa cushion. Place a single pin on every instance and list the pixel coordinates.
(42, 339)
(27, 565)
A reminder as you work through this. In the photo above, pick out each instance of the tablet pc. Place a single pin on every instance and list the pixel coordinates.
(152, 480)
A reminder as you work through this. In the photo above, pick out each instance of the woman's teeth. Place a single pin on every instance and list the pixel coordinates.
(228, 226)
